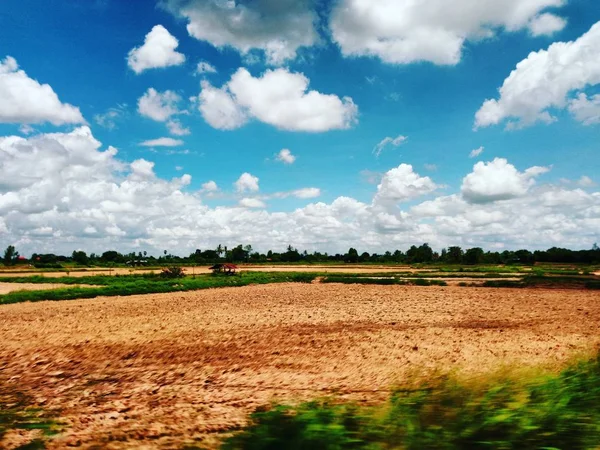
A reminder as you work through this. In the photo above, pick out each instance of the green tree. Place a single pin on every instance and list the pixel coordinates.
(352, 256)
(454, 255)
(80, 257)
(473, 256)
(10, 255)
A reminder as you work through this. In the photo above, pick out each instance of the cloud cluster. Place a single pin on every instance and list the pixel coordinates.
(24, 100)
(407, 31)
(277, 28)
(279, 98)
(498, 180)
(544, 80)
(157, 51)
(60, 192)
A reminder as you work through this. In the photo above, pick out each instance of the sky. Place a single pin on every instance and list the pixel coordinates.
(376, 124)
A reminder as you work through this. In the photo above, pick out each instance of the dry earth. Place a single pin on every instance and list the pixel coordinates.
(158, 371)
(205, 269)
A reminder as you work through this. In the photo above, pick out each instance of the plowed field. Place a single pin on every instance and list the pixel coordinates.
(160, 371)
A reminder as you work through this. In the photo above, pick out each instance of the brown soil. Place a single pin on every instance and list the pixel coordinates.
(205, 269)
(159, 371)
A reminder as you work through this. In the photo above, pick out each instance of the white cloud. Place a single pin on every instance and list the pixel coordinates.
(158, 51)
(110, 118)
(285, 156)
(158, 106)
(219, 109)
(278, 28)
(246, 182)
(476, 152)
(402, 184)
(396, 142)
(162, 142)
(279, 98)
(430, 167)
(543, 81)
(26, 129)
(546, 24)
(252, 203)
(205, 67)
(586, 181)
(498, 180)
(24, 100)
(210, 186)
(304, 193)
(586, 111)
(176, 129)
(406, 31)
(307, 193)
(59, 191)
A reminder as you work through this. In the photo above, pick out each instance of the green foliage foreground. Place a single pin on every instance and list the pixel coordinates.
(547, 412)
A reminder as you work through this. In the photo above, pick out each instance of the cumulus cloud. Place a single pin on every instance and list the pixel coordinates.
(252, 203)
(498, 180)
(162, 142)
(246, 183)
(205, 67)
(61, 191)
(277, 28)
(395, 142)
(158, 106)
(405, 31)
(546, 24)
(279, 98)
(586, 110)
(176, 129)
(210, 186)
(26, 101)
(586, 181)
(220, 109)
(402, 184)
(157, 51)
(476, 152)
(285, 156)
(543, 81)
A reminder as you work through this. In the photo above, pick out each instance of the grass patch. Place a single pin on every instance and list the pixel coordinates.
(146, 284)
(17, 414)
(388, 280)
(549, 281)
(556, 411)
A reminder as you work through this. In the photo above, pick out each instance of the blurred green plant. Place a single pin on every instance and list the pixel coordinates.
(560, 411)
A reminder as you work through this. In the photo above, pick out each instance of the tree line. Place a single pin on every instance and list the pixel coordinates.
(240, 253)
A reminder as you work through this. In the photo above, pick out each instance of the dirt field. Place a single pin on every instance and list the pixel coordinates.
(158, 371)
(205, 269)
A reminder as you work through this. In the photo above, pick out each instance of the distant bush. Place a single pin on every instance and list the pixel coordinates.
(172, 272)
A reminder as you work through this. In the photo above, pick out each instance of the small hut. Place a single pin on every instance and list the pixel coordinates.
(228, 269)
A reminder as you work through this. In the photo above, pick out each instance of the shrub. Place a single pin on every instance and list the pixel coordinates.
(550, 411)
(172, 272)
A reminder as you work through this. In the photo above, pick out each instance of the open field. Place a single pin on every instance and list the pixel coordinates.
(85, 272)
(5, 288)
(162, 370)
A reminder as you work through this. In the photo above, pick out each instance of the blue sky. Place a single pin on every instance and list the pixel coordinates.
(427, 91)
